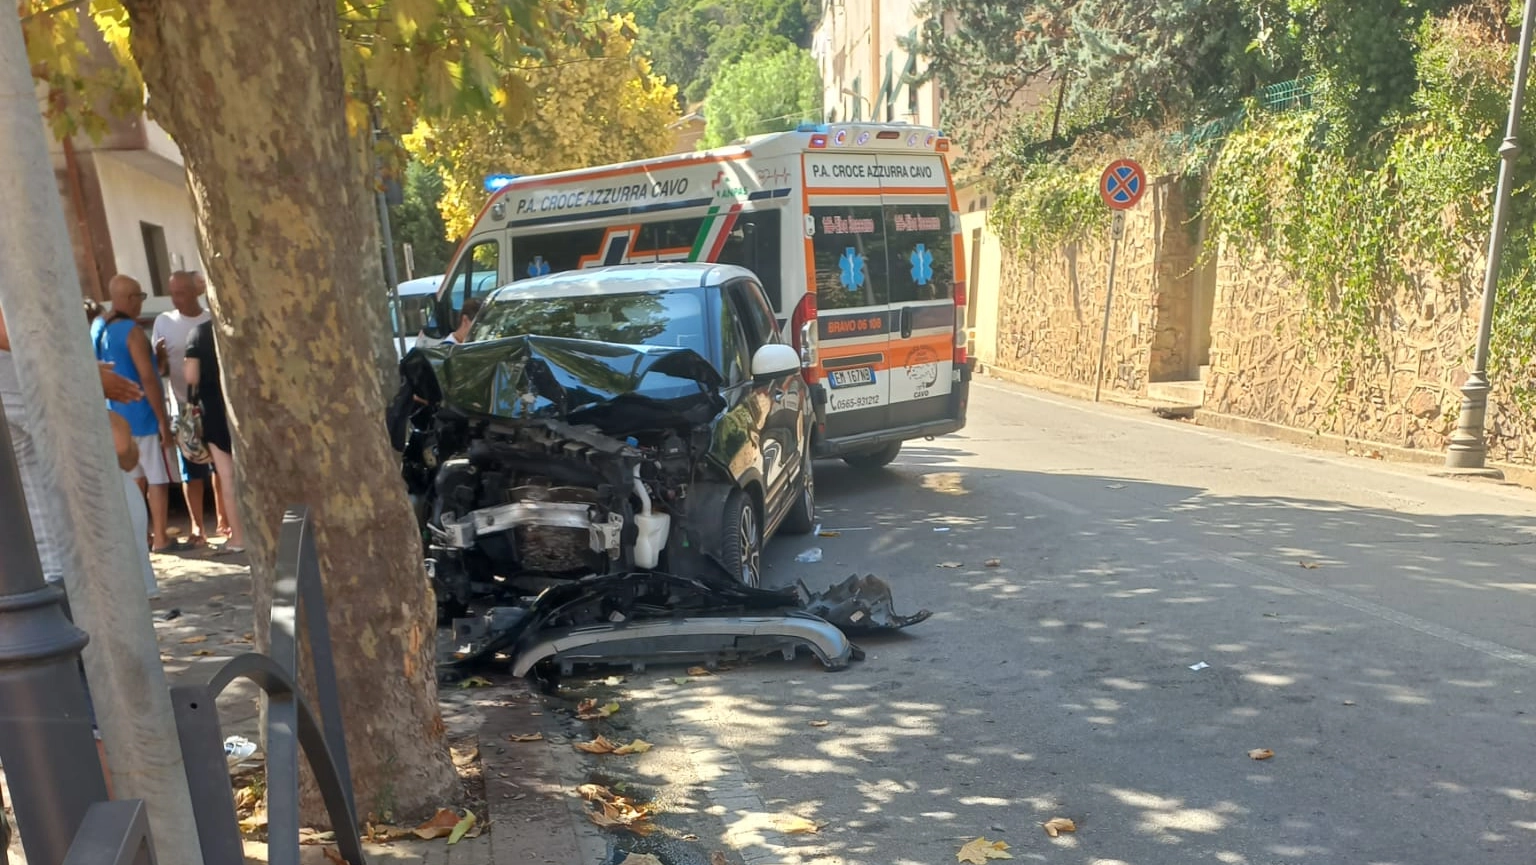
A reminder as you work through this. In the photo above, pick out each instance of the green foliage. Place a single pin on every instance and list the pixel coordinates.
(762, 92)
(1139, 60)
(692, 41)
(1363, 52)
(416, 220)
(1357, 224)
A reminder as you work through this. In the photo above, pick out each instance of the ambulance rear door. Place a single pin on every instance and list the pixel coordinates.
(920, 250)
(852, 284)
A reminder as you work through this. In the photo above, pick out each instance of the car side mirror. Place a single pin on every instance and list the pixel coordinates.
(774, 360)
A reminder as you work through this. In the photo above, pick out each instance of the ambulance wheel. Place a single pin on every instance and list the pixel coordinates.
(878, 458)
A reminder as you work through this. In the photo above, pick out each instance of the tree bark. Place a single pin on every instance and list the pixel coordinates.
(253, 95)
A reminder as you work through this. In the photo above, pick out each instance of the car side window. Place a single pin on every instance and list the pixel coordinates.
(756, 318)
(476, 273)
(735, 354)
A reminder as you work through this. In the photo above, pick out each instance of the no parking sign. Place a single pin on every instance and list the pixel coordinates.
(1122, 184)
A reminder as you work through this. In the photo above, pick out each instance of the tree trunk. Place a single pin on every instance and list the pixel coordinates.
(253, 95)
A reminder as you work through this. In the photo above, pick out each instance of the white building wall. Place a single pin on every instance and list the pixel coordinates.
(132, 195)
(843, 45)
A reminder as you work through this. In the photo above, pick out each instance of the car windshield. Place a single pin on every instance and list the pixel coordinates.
(674, 319)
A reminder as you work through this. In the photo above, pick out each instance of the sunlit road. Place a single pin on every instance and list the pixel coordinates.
(1374, 627)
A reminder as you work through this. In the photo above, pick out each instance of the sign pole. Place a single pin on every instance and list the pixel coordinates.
(1116, 231)
(1121, 185)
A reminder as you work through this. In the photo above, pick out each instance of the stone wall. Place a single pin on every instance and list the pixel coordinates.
(1051, 310)
(1264, 361)
(1267, 365)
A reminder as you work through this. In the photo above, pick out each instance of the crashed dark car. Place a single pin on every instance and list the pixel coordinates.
(607, 421)
(597, 469)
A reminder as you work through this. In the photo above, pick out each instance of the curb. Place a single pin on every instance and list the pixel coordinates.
(1504, 474)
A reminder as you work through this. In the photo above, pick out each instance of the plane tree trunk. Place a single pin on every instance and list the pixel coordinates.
(252, 93)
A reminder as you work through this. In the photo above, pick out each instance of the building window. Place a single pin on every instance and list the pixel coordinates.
(858, 99)
(912, 100)
(158, 256)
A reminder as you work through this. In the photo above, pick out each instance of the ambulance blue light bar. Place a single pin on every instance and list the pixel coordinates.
(497, 182)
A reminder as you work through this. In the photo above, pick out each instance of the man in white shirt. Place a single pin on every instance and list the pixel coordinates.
(170, 340)
(467, 315)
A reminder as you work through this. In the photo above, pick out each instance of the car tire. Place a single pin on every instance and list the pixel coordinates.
(802, 515)
(742, 547)
(878, 458)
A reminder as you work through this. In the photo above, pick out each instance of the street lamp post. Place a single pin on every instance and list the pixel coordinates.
(1468, 449)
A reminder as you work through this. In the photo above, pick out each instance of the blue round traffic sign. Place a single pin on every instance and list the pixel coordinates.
(1122, 184)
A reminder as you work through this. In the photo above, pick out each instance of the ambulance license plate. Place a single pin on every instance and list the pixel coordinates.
(855, 377)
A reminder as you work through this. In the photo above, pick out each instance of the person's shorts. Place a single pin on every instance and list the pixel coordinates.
(153, 466)
(189, 471)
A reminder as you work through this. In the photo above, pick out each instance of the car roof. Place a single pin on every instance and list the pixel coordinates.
(420, 285)
(621, 279)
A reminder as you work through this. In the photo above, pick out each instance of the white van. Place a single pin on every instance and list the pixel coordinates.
(851, 228)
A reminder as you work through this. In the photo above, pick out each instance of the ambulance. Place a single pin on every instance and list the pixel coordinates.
(851, 228)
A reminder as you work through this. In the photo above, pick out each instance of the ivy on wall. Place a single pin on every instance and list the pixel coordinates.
(1357, 220)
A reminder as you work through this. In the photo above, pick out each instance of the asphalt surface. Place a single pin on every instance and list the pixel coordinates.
(1374, 627)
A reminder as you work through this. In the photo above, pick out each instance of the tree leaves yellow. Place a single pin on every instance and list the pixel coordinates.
(977, 852)
(405, 59)
(563, 110)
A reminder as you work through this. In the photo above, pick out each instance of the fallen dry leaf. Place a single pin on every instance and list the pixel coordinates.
(681, 680)
(440, 826)
(246, 799)
(334, 856)
(951, 564)
(1311, 566)
(994, 563)
(526, 737)
(614, 811)
(718, 858)
(1261, 753)
(200, 638)
(1057, 825)
(819, 723)
(588, 710)
(699, 671)
(613, 680)
(462, 827)
(640, 859)
(977, 852)
(475, 682)
(385, 832)
(312, 837)
(202, 653)
(791, 824)
(600, 745)
(638, 746)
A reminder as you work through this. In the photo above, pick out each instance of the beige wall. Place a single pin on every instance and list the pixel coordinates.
(852, 43)
(983, 270)
(134, 190)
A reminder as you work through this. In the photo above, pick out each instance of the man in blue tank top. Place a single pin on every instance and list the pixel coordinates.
(120, 341)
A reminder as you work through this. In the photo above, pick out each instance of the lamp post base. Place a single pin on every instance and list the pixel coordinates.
(1467, 450)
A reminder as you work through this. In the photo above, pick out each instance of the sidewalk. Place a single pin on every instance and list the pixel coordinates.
(526, 807)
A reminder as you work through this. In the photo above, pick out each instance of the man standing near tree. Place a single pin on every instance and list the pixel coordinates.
(170, 339)
(118, 339)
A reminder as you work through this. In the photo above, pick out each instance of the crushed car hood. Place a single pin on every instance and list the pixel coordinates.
(613, 387)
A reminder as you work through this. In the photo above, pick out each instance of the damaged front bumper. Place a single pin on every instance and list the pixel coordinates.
(639, 619)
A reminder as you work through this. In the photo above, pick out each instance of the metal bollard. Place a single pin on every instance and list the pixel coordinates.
(46, 742)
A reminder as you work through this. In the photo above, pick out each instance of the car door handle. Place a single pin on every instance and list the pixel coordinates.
(906, 322)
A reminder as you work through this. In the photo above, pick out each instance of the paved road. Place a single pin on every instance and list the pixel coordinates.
(1375, 628)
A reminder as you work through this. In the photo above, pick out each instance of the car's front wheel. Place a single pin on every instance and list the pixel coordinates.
(878, 458)
(802, 516)
(742, 550)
